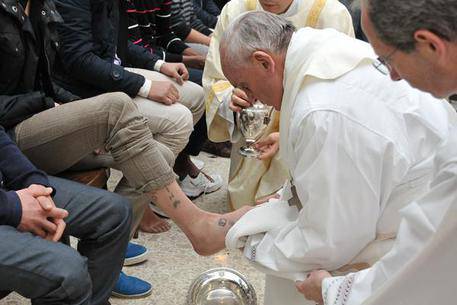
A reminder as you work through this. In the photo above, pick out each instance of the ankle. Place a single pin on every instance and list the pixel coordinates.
(184, 166)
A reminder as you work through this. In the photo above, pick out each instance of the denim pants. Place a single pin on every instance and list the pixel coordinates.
(53, 273)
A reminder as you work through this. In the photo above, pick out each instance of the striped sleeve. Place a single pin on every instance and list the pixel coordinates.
(166, 37)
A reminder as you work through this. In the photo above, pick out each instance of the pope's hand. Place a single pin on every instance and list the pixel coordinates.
(268, 146)
(311, 288)
(239, 100)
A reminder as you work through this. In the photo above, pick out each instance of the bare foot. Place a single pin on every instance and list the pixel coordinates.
(151, 223)
(209, 234)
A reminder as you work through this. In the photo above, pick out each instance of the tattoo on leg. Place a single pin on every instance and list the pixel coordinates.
(176, 203)
(222, 222)
(170, 194)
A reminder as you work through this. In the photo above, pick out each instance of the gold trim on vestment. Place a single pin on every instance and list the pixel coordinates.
(315, 12)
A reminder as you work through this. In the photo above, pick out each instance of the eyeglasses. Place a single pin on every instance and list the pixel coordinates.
(382, 64)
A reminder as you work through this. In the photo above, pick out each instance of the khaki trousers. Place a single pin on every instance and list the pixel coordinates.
(58, 138)
(172, 125)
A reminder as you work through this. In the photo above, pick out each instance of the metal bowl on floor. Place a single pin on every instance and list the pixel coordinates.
(221, 286)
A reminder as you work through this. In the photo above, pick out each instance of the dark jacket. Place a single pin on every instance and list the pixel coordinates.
(93, 32)
(25, 60)
(16, 172)
(207, 11)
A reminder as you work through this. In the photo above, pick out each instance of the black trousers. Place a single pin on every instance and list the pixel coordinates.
(197, 138)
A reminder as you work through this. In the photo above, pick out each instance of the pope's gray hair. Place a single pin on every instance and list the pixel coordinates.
(255, 31)
(396, 21)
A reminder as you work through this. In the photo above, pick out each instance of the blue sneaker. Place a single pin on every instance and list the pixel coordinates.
(135, 254)
(131, 287)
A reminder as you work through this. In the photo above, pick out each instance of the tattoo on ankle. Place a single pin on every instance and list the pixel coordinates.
(176, 203)
(222, 222)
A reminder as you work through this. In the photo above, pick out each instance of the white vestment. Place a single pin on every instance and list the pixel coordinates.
(358, 146)
(421, 267)
(252, 179)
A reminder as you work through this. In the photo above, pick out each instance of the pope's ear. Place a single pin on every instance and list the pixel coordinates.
(264, 60)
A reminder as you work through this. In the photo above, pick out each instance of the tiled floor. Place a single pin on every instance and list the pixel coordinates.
(172, 264)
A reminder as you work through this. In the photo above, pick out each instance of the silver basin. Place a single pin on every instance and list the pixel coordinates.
(221, 286)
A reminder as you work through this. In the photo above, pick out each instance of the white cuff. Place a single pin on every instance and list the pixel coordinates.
(159, 63)
(333, 290)
(144, 90)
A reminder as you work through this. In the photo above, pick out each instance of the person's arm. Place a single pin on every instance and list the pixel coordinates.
(196, 23)
(342, 173)
(170, 57)
(194, 61)
(212, 8)
(168, 38)
(140, 57)
(16, 172)
(10, 208)
(16, 108)
(76, 52)
(197, 37)
(63, 96)
(179, 27)
(191, 52)
(208, 19)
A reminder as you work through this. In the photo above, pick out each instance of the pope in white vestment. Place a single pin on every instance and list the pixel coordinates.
(358, 147)
(421, 267)
(252, 179)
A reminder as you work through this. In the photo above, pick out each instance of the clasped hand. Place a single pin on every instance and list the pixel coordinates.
(40, 215)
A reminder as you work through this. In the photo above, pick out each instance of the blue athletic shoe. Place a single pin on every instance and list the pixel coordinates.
(131, 287)
(135, 254)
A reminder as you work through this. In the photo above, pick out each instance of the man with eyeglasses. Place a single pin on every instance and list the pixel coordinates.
(358, 148)
(420, 46)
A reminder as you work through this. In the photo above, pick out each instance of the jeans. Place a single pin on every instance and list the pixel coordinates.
(53, 273)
